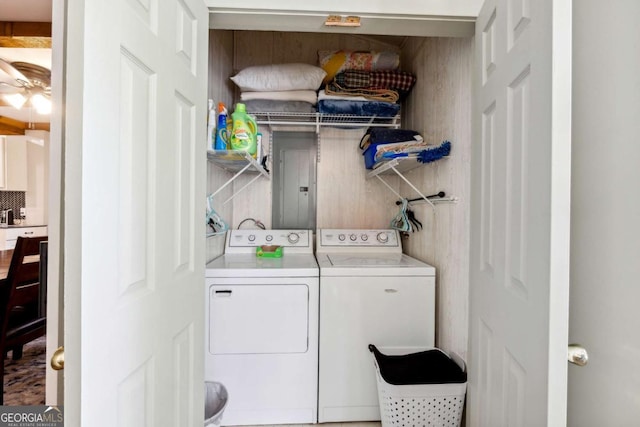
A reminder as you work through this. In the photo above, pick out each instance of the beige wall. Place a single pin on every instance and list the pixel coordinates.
(439, 107)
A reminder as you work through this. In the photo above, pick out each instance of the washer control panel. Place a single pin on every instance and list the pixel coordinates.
(253, 238)
(348, 237)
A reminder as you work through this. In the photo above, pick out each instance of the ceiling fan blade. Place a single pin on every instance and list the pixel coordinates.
(8, 88)
(13, 72)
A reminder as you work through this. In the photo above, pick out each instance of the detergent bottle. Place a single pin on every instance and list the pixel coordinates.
(222, 138)
(211, 127)
(245, 130)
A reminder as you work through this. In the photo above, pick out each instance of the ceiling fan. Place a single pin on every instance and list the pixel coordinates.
(26, 81)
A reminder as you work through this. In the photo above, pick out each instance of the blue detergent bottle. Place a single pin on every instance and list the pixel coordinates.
(221, 130)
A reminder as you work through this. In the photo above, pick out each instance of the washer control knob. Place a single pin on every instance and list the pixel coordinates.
(251, 237)
(269, 237)
(353, 237)
(293, 237)
(382, 237)
(364, 237)
(341, 237)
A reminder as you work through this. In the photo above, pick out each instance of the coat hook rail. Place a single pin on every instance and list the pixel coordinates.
(439, 195)
(437, 200)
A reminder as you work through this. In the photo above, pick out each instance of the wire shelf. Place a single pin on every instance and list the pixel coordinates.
(320, 119)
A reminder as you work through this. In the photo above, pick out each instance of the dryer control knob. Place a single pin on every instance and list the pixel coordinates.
(364, 237)
(269, 237)
(341, 237)
(382, 237)
(293, 237)
(251, 237)
(353, 237)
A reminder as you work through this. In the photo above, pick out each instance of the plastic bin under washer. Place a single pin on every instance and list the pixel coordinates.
(262, 327)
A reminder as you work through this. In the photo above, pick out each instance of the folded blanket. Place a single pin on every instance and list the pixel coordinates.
(309, 96)
(375, 94)
(389, 150)
(323, 95)
(397, 80)
(274, 106)
(358, 108)
(334, 61)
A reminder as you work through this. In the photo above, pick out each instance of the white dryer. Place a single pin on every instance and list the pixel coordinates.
(370, 293)
(262, 328)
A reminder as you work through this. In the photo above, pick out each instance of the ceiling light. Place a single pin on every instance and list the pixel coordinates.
(42, 104)
(17, 100)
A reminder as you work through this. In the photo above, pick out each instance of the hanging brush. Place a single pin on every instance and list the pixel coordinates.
(435, 153)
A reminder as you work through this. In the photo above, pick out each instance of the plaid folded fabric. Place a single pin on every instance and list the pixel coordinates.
(397, 80)
(353, 79)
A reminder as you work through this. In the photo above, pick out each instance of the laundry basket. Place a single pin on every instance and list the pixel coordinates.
(215, 400)
(420, 389)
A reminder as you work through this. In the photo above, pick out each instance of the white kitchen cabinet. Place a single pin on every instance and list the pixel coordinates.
(14, 167)
(9, 236)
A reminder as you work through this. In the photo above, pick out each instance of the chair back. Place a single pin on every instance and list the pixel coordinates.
(22, 285)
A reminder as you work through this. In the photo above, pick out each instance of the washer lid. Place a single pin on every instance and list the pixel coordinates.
(372, 260)
(358, 264)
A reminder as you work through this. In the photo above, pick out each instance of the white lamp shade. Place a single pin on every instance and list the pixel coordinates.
(16, 100)
(41, 104)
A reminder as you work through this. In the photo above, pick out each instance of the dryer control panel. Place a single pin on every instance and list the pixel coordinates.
(238, 241)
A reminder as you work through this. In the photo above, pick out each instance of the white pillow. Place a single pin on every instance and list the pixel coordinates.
(279, 77)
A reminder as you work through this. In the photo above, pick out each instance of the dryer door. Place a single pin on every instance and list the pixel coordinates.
(252, 319)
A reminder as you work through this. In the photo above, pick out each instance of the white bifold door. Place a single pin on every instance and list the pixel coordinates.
(519, 265)
(135, 156)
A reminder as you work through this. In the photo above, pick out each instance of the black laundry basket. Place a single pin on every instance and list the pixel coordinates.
(420, 389)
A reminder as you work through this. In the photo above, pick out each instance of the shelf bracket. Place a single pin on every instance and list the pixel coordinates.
(240, 190)
(238, 162)
(393, 168)
(229, 181)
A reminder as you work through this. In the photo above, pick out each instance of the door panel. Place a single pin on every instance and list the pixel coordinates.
(294, 193)
(258, 319)
(520, 211)
(137, 148)
(605, 236)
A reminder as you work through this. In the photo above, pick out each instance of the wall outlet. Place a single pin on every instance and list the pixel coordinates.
(23, 212)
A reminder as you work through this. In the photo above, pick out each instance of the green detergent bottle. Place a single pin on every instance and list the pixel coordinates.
(244, 132)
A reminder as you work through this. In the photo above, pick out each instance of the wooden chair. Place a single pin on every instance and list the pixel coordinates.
(21, 312)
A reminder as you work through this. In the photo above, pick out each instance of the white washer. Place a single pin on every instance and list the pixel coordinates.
(262, 328)
(370, 293)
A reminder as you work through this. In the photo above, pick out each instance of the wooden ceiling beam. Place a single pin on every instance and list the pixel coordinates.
(25, 34)
(16, 127)
(25, 29)
(10, 126)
